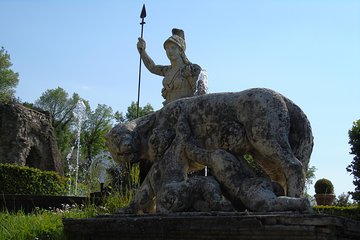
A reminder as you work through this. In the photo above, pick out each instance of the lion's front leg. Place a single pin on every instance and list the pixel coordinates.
(295, 177)
(144, 199)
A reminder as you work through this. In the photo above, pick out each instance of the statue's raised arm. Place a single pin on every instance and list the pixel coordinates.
(148, 62)
(181, 77)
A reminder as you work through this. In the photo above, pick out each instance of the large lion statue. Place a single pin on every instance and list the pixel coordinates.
(217, 130)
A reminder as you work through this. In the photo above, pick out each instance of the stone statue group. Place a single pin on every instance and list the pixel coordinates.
(217, 130)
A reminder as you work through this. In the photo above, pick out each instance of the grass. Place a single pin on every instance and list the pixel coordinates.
(42, 224)
(47, 224)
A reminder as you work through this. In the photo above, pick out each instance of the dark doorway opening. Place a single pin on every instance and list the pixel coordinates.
(34, 158)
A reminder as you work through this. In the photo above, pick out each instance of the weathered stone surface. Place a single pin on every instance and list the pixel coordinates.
(28, 138)
(213, 226)
(216, 130)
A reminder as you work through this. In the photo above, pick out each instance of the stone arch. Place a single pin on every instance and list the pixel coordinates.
(34, 158)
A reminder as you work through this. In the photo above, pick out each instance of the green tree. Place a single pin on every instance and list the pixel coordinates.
(60, 107)
(342, 200)
(132, 111)
(8, 78)
(94, 129)
(58, 104)
(119, 117)
(310, 176)
(354, 167)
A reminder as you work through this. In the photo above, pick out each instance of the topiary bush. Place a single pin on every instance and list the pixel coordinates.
(324, 186)
(16, 179)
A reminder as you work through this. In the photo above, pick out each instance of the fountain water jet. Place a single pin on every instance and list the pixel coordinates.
(99, 167)
(71, 168)
(79, 113)
(202, 83)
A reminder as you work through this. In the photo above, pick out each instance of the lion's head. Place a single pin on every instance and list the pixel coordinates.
(123, 143)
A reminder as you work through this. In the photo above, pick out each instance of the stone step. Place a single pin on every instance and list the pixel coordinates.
(215, 225)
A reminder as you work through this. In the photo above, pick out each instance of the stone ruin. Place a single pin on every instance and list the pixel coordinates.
(28, 138)
(217, 130)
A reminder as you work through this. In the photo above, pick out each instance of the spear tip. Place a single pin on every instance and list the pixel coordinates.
(143, 12)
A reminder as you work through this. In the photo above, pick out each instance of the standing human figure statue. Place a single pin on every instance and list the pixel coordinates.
(182, 78)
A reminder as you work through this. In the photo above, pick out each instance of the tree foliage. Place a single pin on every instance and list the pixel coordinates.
(132, 111)
(309, 178)
(354, 167)
(8, 78)
(60, 107)
(58, 103)
(343, 200)
(119, 117)
(95, 127)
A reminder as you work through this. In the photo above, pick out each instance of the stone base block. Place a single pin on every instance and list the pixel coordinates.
(215, 225)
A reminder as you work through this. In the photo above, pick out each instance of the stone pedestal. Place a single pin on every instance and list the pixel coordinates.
(216, 225)
(325, 199)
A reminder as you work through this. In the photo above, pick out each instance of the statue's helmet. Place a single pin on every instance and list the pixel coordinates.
(178, 38)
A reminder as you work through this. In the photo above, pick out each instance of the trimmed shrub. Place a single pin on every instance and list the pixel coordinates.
(324, 186)
(16, 179)
(352, 212)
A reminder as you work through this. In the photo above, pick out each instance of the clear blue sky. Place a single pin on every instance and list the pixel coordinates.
(308, 50)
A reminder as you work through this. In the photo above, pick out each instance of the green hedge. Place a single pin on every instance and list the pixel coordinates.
(16, 179)
(352, 212)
